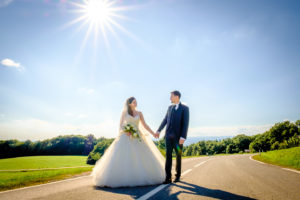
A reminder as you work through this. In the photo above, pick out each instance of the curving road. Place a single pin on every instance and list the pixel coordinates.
(218, 177)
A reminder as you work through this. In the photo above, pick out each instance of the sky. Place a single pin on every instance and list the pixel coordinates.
(236, 64)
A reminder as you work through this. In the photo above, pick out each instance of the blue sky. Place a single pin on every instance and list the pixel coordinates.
(236, 63)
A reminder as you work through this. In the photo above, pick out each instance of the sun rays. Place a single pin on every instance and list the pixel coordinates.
(100, 17)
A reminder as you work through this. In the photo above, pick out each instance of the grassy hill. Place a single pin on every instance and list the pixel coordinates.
(285, 157)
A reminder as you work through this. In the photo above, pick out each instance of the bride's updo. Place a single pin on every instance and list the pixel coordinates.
(129, 101)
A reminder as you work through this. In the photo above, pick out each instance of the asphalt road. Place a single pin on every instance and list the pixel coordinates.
(218, 177)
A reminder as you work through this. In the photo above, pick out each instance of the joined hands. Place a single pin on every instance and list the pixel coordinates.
(156, 135)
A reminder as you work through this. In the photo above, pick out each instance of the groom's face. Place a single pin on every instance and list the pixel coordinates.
(172, 98)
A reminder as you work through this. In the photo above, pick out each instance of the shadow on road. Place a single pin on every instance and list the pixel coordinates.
(134, 192)
(196, 190)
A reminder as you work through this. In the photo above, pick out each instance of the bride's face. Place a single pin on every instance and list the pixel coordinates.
(133, 104)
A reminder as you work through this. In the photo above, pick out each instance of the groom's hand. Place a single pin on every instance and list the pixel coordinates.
(156, 135)
(181, 141)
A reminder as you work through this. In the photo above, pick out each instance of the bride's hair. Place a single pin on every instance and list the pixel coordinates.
(129, 101)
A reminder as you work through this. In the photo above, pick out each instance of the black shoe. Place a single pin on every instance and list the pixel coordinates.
(176, 180)
(167, 181)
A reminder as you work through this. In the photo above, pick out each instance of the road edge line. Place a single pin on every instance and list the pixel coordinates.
(288, 169)
(23, 188)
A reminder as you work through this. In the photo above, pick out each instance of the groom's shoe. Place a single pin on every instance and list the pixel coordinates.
(167, 181)
(177, 179)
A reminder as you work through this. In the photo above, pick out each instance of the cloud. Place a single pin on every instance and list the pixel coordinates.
(4, 3)
(36, 129)
(229, 130)
(10, 63)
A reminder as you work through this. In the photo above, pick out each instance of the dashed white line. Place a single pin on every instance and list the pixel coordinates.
(152, 192)
(159, 188)
(200, 164)
(187, 171)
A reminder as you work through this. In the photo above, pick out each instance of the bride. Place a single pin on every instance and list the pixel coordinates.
(130, 161)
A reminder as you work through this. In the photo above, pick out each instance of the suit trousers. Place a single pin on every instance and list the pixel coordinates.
(173, 143)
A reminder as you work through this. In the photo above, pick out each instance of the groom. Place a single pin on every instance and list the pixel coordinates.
(177, 121)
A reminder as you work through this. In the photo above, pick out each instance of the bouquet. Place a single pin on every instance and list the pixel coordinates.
(132, 130)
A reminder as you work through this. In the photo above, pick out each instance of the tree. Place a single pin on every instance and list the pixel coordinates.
(98, 151)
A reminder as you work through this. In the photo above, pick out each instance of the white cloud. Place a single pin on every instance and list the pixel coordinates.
(36, 129)
(228, 130)
(10, 63)
(4, 3)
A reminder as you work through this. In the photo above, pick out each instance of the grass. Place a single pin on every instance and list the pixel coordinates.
(286, 157)
(11, 180)
(37, 162)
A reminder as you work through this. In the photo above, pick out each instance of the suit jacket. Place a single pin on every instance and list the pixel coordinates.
(177, 122)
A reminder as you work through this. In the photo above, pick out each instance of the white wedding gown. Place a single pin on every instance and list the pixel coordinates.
(129, 162)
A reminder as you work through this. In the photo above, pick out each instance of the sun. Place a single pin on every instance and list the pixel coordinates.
(98, 11)
(100, 16)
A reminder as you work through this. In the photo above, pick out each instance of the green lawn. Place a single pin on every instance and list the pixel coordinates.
(36, 162)
(286, 157)
(11, 180)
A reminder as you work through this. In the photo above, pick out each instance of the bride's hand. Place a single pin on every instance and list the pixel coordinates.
(128, 134)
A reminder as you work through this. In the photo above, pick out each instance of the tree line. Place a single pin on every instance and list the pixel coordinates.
(61, 145)
(282, 135)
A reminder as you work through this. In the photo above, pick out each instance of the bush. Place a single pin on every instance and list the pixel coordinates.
(98, 151)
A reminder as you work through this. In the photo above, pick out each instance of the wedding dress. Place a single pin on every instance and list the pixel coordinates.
(128, 161)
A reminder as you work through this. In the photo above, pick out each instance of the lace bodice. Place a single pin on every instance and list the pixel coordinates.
(126, 118)
(132, 120)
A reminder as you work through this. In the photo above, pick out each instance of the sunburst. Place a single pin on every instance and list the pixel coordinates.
(100, 16)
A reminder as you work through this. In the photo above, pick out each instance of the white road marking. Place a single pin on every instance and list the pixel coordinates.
(250, 157)
(187, 171)
(200, 164)
(70, 179)
(159, 188)
(152, 192)
(292, 170)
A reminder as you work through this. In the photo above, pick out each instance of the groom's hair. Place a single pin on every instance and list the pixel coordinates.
(176, 93)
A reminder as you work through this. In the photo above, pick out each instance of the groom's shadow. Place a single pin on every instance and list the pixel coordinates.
(198, 191)
(183, 187)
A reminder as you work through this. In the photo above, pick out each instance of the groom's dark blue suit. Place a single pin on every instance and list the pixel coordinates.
(177, 121)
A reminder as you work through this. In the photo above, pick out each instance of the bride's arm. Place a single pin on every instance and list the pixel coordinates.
(121, 124)
(144, 124)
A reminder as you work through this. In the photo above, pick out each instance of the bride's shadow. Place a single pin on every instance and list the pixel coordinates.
(184, 188)
(198, 191)
(134, 192)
